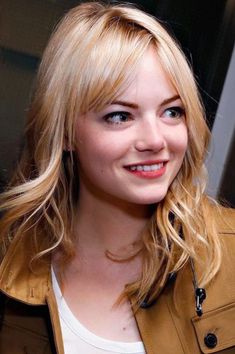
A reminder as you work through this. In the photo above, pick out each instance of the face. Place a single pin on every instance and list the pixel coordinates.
(133, 149)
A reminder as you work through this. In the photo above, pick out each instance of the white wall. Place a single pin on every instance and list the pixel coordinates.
(223, 133)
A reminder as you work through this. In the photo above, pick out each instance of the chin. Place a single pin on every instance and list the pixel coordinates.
(148, 199)
(153, 197)
(151, 201)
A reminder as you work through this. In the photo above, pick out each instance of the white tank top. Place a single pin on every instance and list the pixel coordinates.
(79, 340)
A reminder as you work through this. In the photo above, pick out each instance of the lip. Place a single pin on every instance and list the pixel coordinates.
(148, 162)
(148, 174)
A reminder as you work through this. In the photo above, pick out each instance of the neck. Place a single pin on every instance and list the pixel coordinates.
(103, 223)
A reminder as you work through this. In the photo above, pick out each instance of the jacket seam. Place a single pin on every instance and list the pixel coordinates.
(177, 331)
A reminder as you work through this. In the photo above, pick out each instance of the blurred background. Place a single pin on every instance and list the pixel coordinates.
(206, 31)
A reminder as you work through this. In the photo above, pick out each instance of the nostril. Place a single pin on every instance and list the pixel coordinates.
(148, 144)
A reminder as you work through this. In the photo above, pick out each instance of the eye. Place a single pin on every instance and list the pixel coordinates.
(174, 112)
(117, 117)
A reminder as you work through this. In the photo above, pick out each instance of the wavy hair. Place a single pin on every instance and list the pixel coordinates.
(89, 61)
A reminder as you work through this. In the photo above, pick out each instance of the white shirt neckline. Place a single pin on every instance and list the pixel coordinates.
(87, 336)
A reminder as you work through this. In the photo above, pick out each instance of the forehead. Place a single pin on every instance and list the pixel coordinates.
(149, 80)
(128, 73)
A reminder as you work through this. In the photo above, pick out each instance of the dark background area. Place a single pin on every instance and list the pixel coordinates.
(206, 32)
(205, 29)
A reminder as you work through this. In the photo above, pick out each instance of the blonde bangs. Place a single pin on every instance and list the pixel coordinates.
(110, 65)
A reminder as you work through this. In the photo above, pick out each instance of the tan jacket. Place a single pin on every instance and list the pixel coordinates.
(29, 322)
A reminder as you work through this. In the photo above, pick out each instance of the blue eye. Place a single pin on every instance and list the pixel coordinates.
(174, 112)
(117, 117)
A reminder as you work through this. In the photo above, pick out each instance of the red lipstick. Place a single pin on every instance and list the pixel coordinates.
(148, 169)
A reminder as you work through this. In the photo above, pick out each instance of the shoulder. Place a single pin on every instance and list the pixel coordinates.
(225, 219)
(226, 230)
(225, 222)
(222, 287)
(220, 221)
(222, 217)
(19, 278)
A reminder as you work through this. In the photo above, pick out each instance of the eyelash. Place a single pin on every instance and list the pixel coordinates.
(178, 110)
(110, 117)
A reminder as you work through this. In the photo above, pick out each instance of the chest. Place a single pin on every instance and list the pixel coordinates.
(94, 300)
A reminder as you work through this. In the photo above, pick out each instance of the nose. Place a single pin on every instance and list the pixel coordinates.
(150, 135)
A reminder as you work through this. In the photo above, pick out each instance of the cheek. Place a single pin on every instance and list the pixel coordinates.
(178, 141)
(99, 149)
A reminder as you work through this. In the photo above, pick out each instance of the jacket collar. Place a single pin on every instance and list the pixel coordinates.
(225, 218)
(18, 281)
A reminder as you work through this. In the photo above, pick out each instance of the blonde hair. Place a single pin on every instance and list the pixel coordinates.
(89, 60)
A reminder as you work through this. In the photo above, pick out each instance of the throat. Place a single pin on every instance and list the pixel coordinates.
(102, 229)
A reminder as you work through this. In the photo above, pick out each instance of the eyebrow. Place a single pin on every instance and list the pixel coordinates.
(135, 106)
(125, 104)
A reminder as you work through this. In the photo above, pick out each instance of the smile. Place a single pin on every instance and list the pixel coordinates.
(148, 170)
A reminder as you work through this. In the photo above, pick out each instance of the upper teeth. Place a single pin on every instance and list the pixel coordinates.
(146, 167)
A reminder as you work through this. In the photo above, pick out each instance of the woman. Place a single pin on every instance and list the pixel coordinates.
(109, 242)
